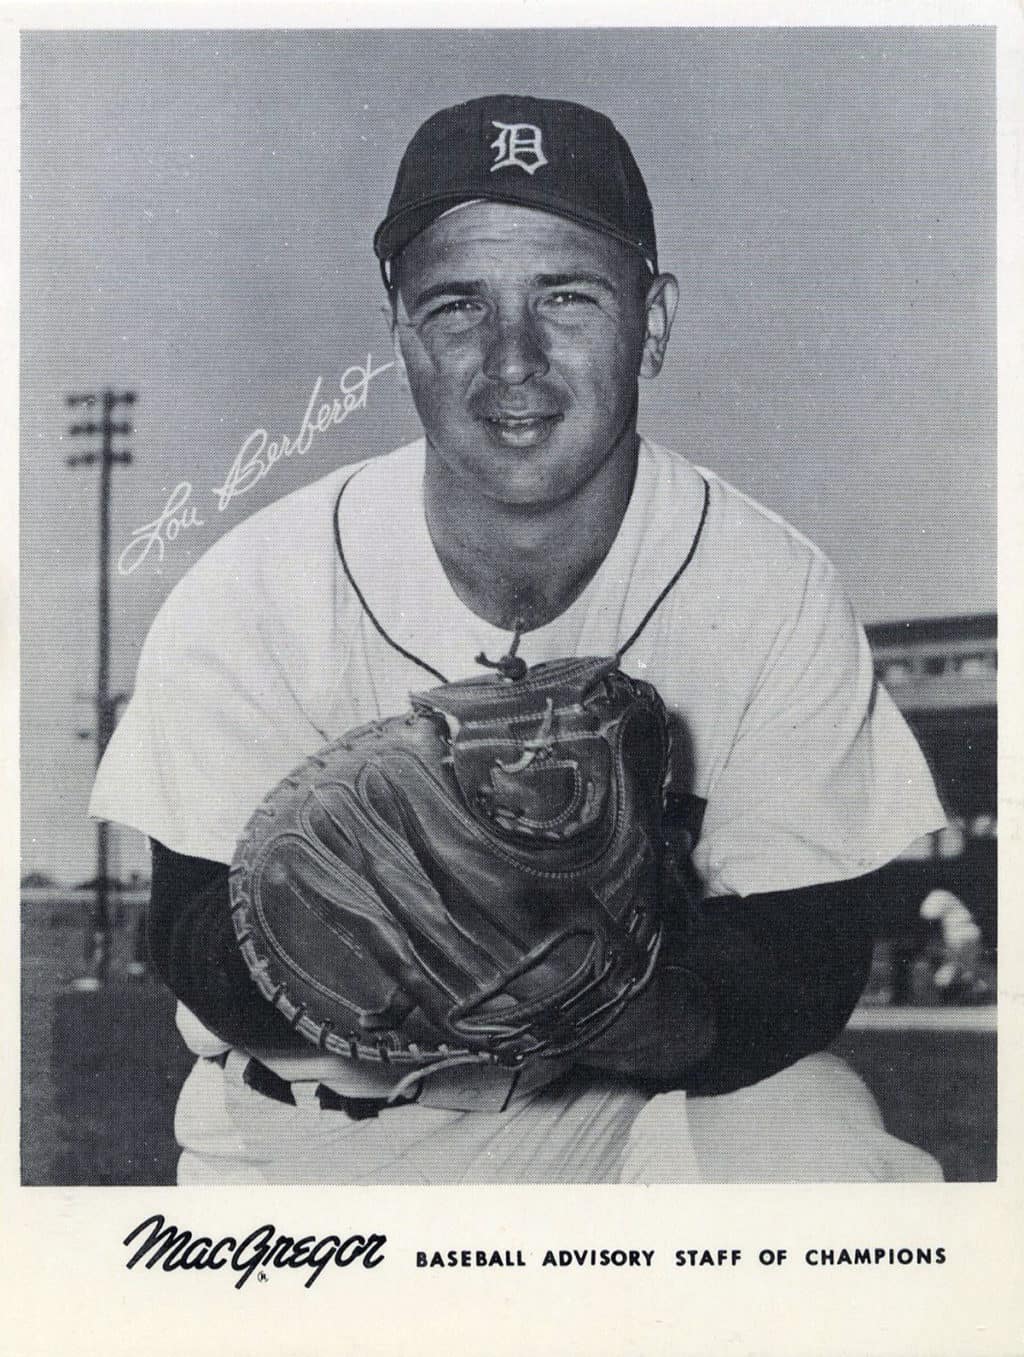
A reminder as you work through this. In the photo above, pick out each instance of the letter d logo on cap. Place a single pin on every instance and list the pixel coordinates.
(518, 144)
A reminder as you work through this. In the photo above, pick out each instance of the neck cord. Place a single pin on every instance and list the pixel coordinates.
(359, 593)
(675, 578)
(511, 665)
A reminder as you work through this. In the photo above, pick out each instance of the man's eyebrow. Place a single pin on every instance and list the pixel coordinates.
(450, 287)
(577, 276)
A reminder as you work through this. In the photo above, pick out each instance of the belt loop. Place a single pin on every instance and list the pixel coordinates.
(304, 1094)
(511, 1089)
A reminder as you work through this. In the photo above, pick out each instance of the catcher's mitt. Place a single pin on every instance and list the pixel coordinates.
(478, 879)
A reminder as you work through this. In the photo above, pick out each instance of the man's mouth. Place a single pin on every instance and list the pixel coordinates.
(520, 430)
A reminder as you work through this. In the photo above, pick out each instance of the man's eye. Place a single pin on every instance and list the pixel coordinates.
(458, 306)
(569, 298)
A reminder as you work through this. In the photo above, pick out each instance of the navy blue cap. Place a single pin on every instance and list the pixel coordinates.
(509, 148)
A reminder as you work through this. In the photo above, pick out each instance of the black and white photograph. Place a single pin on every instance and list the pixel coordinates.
(508, 632)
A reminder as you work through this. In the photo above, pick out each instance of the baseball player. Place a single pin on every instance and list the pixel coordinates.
(958, 954)
(531, 522)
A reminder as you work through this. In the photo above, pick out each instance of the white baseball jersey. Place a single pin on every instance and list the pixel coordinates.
(264, 652)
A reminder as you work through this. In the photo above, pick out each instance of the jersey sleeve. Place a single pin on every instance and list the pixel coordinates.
(213, 722)
(824, 780)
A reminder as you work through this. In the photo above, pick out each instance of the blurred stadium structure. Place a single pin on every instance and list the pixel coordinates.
(941, 672)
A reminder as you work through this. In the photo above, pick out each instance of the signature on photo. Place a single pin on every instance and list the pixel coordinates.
(256, 458)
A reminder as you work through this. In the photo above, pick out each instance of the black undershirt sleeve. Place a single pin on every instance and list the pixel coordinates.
(748, 987)
(756, 984)
(192, 948)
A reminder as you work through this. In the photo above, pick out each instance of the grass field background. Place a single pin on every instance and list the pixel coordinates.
(101, 1073)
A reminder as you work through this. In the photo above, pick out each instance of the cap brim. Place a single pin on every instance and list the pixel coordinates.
(396, 232)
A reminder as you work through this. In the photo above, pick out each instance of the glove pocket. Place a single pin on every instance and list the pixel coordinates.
(296, 940)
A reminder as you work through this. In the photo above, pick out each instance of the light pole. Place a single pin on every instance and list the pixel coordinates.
(97, 943)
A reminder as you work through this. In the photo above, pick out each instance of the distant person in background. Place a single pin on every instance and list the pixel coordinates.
(957, 974)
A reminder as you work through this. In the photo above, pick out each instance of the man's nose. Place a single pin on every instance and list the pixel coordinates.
(515, 350)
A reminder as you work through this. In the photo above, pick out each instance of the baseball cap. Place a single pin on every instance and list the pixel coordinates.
(548, 154)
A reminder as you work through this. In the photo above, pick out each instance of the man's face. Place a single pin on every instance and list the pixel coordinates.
(522, 336)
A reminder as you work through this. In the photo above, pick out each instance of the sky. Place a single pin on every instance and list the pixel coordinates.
(197, 211)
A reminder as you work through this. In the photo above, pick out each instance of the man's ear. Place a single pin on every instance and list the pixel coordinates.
(390, 315)
(661, 302)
